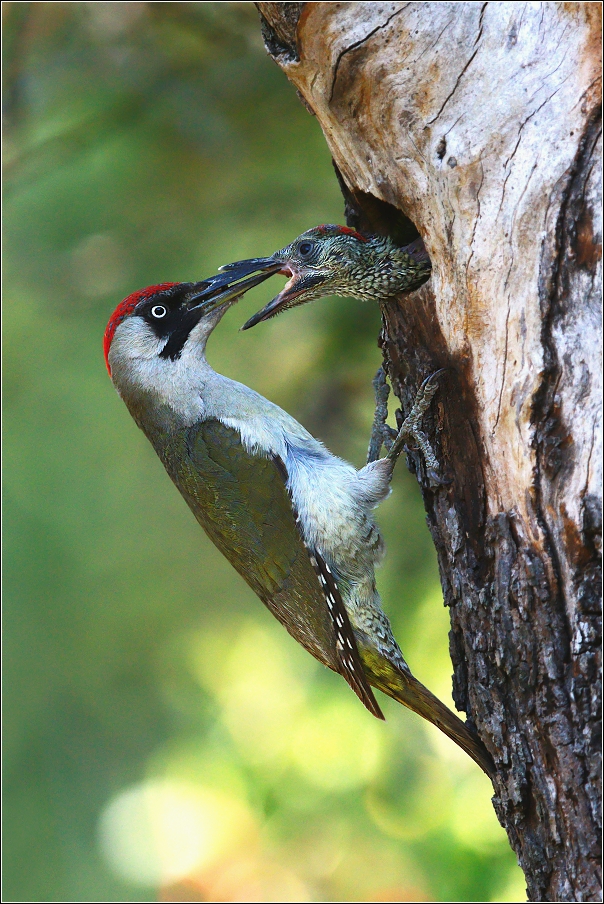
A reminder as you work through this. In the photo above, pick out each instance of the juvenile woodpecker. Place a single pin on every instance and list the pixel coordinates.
(295, 521)
(336, 260)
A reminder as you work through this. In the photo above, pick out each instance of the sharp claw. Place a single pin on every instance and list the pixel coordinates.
(437, 480)
(431, 377)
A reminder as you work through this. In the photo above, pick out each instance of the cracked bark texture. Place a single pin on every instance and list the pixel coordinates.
(478, 125)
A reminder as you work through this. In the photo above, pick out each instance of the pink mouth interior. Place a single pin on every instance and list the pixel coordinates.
(287, 271)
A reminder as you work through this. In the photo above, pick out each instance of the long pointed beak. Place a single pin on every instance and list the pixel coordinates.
(250, 265)
(296, 291)
(269, 310)
(229, 285)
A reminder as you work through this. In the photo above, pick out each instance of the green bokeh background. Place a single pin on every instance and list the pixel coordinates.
(164, 738)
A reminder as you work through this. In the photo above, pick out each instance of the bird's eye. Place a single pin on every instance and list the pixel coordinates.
(158, 311)
(305, 248)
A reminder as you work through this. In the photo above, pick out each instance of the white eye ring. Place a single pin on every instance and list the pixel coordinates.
(158, 311)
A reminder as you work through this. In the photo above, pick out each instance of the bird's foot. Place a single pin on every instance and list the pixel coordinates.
(410, 430)
(381, 433)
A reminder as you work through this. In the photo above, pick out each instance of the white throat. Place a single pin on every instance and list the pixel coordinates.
(144, 379)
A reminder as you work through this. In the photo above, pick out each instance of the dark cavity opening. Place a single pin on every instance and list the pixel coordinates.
(369, 214)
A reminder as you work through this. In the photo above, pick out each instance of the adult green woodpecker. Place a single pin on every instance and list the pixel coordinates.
(295, 521)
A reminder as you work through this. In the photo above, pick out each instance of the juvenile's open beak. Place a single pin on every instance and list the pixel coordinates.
(293, 293)
(229, 285)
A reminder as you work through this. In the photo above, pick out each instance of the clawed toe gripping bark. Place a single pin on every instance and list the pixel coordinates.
(381, 433)
(410, 430)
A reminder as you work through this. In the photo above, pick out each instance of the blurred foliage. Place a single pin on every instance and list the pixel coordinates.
(164, 737)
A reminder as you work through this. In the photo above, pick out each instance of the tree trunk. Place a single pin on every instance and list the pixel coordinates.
(478, 126)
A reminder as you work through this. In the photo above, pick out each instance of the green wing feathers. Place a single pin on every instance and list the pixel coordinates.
(242, 503)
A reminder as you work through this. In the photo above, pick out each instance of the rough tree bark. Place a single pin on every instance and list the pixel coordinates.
(478, 125)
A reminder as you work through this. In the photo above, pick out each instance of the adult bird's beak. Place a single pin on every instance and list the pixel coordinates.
(228, 285)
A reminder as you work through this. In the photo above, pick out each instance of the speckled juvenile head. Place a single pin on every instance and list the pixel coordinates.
(336, 260)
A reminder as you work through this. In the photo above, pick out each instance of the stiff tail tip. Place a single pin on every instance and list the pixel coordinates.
(431, 708)
(411, 693)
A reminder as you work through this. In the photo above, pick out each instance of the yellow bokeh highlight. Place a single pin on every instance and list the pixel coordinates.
(514, 890)
(473, 818)
(337, 746)
(257, 880)
(157, 832)
(259, 692)
(265, 705)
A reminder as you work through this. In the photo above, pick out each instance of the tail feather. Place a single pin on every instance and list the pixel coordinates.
(407, 690)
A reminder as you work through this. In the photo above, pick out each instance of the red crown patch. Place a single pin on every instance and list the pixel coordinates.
(344, 230)
(125, 308)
